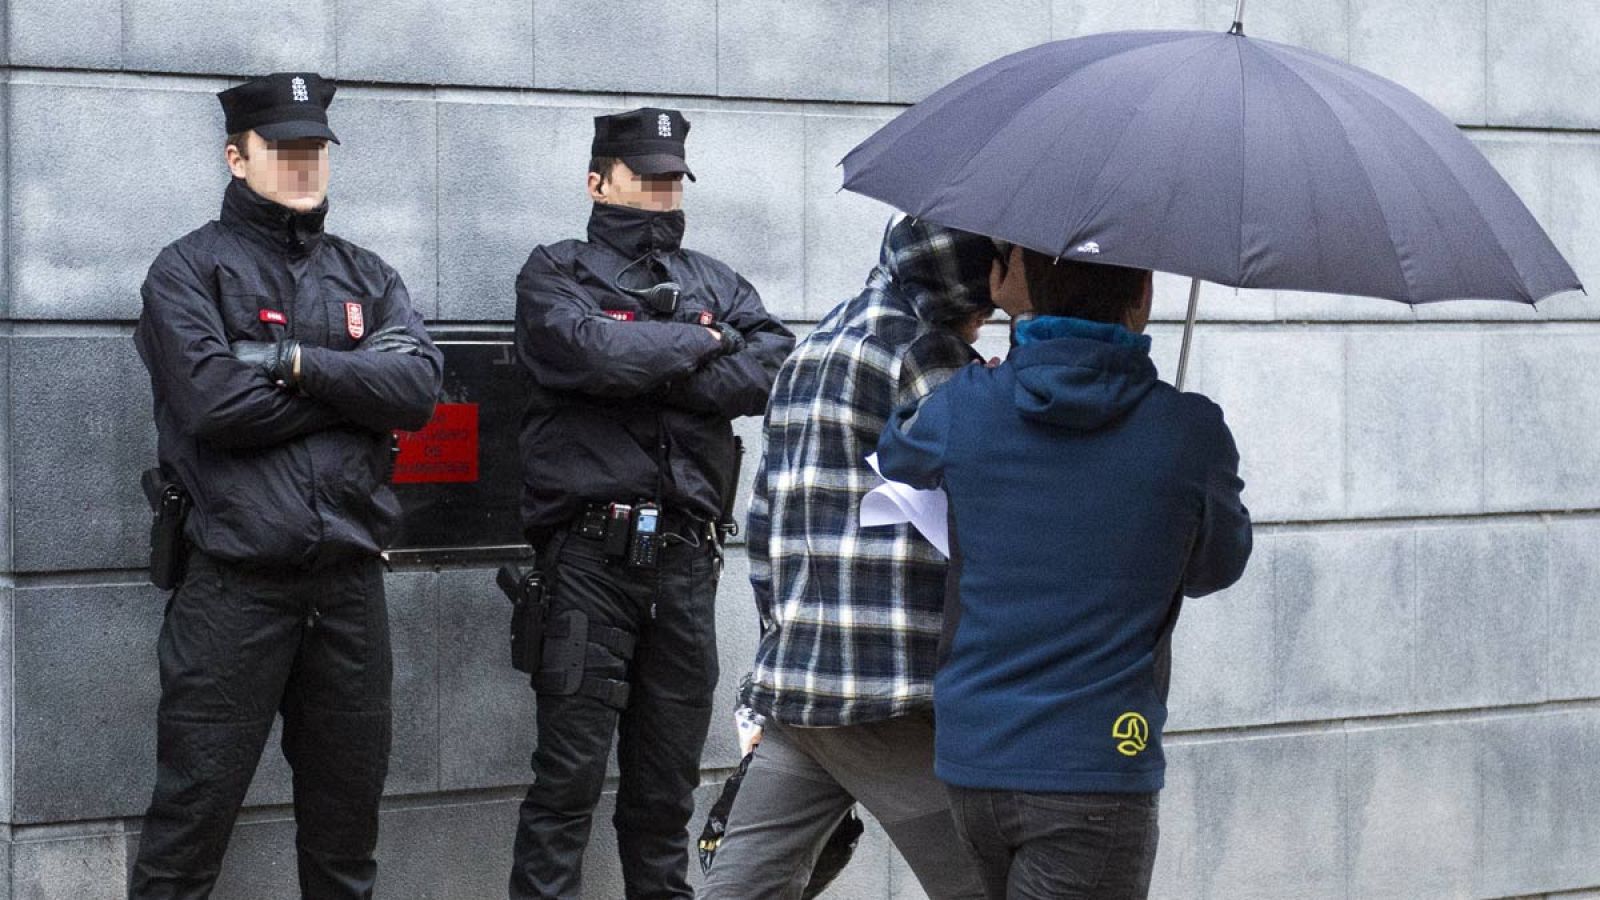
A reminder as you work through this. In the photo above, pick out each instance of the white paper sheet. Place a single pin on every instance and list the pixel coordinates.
(893, 503)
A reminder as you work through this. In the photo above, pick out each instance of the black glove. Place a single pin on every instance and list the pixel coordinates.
(391, 339)
(732, 339)
(275, 360)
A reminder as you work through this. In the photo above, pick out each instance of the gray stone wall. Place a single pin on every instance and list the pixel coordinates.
(1401, 699)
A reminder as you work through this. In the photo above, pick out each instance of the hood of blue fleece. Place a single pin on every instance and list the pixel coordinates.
(1079, 374)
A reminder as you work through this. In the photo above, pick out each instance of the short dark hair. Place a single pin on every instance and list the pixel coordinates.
(241, 140)
(602, 166)
(1093, 291)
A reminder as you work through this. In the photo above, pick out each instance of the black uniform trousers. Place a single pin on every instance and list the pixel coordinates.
(239, 646)
(661, 731)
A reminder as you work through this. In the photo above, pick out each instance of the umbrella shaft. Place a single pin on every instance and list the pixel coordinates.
(1238, 18)
(1188, 331)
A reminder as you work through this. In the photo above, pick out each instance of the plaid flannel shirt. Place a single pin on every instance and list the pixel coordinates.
(851, 617)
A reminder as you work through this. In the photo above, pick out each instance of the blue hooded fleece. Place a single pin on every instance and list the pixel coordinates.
(1088, 498)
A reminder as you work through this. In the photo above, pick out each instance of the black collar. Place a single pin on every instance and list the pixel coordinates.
(276, 226)
(635, 232)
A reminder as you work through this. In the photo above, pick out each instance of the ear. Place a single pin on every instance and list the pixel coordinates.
(235, 160)
(597, 188)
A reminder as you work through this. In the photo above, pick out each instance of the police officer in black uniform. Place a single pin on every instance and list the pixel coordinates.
(638, 353)
(280, 357)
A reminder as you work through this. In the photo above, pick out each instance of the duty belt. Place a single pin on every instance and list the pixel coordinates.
(591, 523)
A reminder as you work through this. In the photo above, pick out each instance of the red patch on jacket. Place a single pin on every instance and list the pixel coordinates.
(621, 315)
(273, 317)
(707, 319)
(354, 322)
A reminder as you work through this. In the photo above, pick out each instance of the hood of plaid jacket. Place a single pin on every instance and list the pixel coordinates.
(942, 271)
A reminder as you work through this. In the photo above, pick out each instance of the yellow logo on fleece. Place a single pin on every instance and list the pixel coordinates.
(1131, 732)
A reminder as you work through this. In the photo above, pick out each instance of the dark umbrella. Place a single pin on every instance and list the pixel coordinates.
(1244, 162)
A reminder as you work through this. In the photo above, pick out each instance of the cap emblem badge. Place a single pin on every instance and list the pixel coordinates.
(298, 85)
(664, 125)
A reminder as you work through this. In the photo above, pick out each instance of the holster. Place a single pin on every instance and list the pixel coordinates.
(169, 506)
(573, 649)
(525, 590)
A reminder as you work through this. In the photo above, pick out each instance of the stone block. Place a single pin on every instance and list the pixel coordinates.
(1415, 423)
(72, 863)
(823, 50)
(668, 48)
(1413, 810)
(75, 34)
(1574, 218)
(1575, 780)
(1541, 391)
(1283, 394)
(1308, 306)
(84, 733)
(750, 431)
(932, 44)
(1218, 303)
(1436, 50)
(167, 181)
(738, 633)
(755, 225)
(1320, 25)
(7, 713)
(1540, 74)
(1345, 630)
(1224, 651)
(452, 849)
(81, 509)
(1537, 833)
(488, 42)
(1574, 608)
(843, 230)
(6, 521)
(511, 176)
(383, 190)
(1074, 18)
(414, 637)
(486, 708)
(1482, 606)
(1259, 817)
(232, 36)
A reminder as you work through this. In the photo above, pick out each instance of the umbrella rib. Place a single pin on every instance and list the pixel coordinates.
(1094, 211)
(1244, 98)
(1367, 181)
(1472, 199)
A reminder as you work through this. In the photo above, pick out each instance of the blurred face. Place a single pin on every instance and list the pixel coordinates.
(624, 187)
(289, 173)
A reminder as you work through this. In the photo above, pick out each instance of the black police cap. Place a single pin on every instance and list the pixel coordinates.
(283, 106)
(649, 140)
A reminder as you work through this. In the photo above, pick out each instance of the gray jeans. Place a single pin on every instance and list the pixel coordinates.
(1060, 846)
(803, 781)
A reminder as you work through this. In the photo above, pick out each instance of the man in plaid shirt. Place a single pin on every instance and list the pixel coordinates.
(851, 617)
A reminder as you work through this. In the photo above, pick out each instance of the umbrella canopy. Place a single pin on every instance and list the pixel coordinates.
(1244, 162)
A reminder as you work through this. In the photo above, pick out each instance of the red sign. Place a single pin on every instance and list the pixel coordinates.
(273, 317)
(354, 322)
(445, 450)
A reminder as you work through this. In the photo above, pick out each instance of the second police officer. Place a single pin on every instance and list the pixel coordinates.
(638, 353)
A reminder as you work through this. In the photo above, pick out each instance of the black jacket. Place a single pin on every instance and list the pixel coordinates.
(279, 476)
(625, 403)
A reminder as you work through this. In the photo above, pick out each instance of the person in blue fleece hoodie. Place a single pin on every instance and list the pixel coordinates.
(1087, 499)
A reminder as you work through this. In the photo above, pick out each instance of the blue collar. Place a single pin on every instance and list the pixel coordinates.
(1049, 328)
